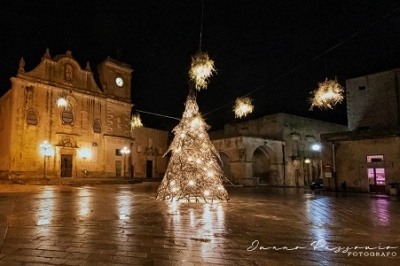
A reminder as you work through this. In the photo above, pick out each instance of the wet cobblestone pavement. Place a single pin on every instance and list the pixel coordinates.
(125, 225)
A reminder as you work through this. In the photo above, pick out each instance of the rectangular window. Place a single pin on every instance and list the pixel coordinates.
(361, 88)
(363, 128)
(118, 152)
(374, 158)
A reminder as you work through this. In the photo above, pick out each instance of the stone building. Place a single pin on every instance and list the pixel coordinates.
(367, 157)
(275, 150)
(149, 147)
(85, 138)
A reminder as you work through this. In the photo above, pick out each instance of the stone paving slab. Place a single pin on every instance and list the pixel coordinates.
(123, 224)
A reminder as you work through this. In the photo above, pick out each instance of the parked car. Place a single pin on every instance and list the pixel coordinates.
(317, 184)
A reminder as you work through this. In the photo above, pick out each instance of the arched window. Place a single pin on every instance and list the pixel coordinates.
(67, 116)
(96, 126)
(32, 117)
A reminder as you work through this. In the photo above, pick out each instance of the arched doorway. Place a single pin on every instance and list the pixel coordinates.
(225, 165)
(261, 165)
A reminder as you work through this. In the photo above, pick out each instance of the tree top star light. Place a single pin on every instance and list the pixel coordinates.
(193, 172)
(202, 68)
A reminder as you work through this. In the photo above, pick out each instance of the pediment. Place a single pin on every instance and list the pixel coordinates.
(61, 71)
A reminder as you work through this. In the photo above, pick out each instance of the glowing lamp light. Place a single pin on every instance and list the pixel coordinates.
(307, 160)
(46, 149)
(316, 147)
(84, 153)
(136, 121)
(196, 122)
(125, 150)
(191, 183)
(243, 107)
(328, 94)
(62, 102)
(201, 69)
(206, 193)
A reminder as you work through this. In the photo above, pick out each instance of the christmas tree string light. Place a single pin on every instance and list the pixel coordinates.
(193, 172)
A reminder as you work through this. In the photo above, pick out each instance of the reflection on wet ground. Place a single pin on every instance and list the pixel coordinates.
(125, 225)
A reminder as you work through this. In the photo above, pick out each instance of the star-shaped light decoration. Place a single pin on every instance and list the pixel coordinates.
(328, 94)
(202, 68)
(136, 121)
(243, 107)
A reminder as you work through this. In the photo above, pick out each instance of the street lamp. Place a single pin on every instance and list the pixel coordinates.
(46, 153)
(125, 151)
(316, 147)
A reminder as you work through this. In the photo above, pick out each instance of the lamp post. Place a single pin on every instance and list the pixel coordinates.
(317, 148)
(125, 151)
(46, 153)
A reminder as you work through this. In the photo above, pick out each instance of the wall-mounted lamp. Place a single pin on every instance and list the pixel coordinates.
(316, 147)
(84, 153)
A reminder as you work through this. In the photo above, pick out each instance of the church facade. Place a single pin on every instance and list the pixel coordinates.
(84, 138)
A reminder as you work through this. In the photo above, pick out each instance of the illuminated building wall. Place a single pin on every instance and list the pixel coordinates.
(366, 158)
(373, 101)
(276, 149)
(86, 136)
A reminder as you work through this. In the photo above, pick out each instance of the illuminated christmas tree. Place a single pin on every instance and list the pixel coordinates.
(193, 172)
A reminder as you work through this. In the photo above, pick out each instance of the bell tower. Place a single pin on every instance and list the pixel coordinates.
(115, 79)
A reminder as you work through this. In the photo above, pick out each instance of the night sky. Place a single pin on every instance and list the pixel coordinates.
(275, 50)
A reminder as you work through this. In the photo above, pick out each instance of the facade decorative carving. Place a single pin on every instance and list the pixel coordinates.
(21, 65)
(68, 73)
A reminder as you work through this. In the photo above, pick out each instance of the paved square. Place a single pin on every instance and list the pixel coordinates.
(126, 225)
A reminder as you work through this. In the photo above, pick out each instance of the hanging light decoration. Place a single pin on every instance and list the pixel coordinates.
(136, 121)
(202, 68)
(328, 94)
(243, 107)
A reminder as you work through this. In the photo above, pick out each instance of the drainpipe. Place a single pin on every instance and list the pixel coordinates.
(130, 161)
(334, 165)
(284, 164)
